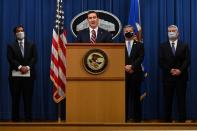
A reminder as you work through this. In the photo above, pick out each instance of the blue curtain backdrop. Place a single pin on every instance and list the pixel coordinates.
(38, 18)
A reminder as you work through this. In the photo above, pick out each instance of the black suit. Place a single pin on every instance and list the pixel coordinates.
(133, 81)
(172, 83)
(21, 85)
(103, 36)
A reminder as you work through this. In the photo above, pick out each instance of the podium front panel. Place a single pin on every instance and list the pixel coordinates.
(95, 98)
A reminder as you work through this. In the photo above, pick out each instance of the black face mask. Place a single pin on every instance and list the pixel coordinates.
(129, 34)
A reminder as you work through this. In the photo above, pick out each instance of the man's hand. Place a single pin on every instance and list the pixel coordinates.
(23, 70)
(175, 72)
(128, 68)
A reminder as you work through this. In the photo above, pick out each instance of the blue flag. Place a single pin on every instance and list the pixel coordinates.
(134, 15)
(134, 20)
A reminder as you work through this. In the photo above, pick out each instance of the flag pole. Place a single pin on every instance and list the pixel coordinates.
(59, 112)
(59, 103)
(59, 106)
(58, 57)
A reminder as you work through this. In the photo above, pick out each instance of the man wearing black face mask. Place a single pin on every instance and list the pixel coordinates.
(21, 56)
(134, 56)
(174, 60)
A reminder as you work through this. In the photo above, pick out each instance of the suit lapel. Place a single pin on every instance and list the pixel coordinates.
(18, 49)
(177, 48)
(169, 48)
(87, 35)
(133, 48)
(98, 35)
(126, 50)
(25, 48)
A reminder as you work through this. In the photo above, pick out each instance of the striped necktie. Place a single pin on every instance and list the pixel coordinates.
(93, 37)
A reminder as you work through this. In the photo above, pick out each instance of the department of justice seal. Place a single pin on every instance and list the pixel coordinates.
(95, 61)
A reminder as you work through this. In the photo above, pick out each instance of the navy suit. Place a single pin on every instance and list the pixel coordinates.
(103, 36)
(21, 85)
(168, 61)
(133, 81)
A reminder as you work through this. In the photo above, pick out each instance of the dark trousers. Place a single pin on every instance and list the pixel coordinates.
(133, 104)
(169, 90)
(21, 87)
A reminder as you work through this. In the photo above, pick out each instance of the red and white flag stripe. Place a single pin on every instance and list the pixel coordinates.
(58, 65)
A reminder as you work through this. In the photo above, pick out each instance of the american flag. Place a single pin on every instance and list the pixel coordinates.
(58, 55)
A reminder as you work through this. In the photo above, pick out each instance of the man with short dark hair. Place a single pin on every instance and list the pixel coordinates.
(93, 34)
(22, 57)
(174, 60)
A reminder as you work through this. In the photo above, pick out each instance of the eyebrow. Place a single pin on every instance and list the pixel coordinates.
(91, 16)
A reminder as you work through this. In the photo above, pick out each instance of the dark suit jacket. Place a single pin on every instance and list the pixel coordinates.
(168, 61)
(103, 36)
(135, 59)
(15, 57)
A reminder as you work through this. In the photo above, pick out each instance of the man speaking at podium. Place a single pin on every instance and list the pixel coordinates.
(94, 34)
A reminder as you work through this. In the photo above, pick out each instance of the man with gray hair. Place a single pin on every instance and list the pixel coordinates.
(174, 60)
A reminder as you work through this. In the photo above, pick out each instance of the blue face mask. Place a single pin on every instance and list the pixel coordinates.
(172, 35)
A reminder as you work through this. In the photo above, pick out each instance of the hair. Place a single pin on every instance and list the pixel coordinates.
(128, 26)
(18, 26)
(92, 11)
(174, 26)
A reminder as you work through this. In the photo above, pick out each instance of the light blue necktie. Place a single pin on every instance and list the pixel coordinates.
(173, 49)
(129, 48)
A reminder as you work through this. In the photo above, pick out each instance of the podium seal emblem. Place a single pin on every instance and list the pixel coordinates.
(95, 61)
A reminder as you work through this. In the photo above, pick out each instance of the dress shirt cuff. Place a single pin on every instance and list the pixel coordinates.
(19, 67)
(28, 68)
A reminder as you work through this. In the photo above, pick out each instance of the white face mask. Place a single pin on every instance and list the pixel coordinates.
(172, 35)
(20, 35)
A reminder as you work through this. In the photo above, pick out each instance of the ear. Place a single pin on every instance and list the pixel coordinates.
(177, 34)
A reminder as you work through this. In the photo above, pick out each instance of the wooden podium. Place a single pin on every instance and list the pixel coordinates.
(95, 98)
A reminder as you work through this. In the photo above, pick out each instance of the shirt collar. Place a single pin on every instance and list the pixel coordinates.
(21, 41)
(96, 29)
(131, 42)
(175, 42)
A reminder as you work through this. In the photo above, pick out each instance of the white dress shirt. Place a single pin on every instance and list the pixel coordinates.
(175, 43)
(96, 30)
